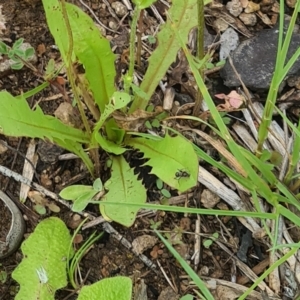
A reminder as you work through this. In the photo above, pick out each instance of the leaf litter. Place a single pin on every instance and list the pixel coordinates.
(232, 102)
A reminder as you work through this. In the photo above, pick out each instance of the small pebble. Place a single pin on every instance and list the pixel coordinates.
(234, 7)
(143, 242)
(112, 25)
(120, 9)
(220, 25)
(252, 7)
(209, 199)
(248, 19)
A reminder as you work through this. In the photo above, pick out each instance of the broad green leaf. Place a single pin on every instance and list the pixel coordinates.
(113, 132)
(3, 48)
(207, 243)
(17, 66)
(107, 145)
(89, 46)
(165, 193)
(29, 52)
(159, 184)
(97, 185)
(17, 119)
(11, 55)
(182, 16)
(169, 156)
(40, 209)
(43, 268)
(155, 123)
(122, 187)
(187, 297)
(18, 43)
(74, 191)
(19, 52)
(138, 91)
(220, 63)
(81, 195)
(148, 124)
(151, 39)
(116, 288)
(142, 4)
(117, 101)
(83, 200)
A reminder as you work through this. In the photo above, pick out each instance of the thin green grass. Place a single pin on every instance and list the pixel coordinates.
(280, 72)
(260, 179)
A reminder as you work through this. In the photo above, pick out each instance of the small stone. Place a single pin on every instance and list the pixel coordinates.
(229, 42)
(74, 221)
(143, 242)
(266, 2)
(252, 7)
(78, 239)
(291, 3)
(265, 18)
(276, 9)
(185, 224)
(48, 152)
(294, 81)
(209, 199)
(234, 7)
(3, 148)
(120, 9)
(65, 113)
(46, 181)
(168, 294)
(112, 25)
(2, 21)
(204, 271)
(248, 19)
(220, 25)
(183, 250)
(57, 179)
(254, 60)
(244, 3)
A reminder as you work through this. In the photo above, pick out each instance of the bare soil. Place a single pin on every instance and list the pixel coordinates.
(108, 257)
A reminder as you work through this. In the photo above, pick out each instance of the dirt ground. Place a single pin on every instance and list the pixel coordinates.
(108, 257)
(26, 19)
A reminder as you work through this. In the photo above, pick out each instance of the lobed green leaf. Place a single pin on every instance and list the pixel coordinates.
(116, 288)
(89, 46)
(17, 119)
(43, 268)
(166, 162)
(122, 187)
(74, 191)
(182, 16)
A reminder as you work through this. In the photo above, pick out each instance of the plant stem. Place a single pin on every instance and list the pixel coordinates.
(280, 73)
(200, 53)
(135, 17)
(139, 40)
(70, 68)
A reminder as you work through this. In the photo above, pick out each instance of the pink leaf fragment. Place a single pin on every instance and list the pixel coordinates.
(232, 100)
(235, 99)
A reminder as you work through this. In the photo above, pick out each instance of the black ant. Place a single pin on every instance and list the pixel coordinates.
(181, 174)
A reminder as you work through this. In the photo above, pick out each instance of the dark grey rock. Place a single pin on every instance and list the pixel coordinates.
(254, 59)
(246, 243)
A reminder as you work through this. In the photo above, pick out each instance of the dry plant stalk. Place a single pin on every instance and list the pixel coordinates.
(2, 21)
